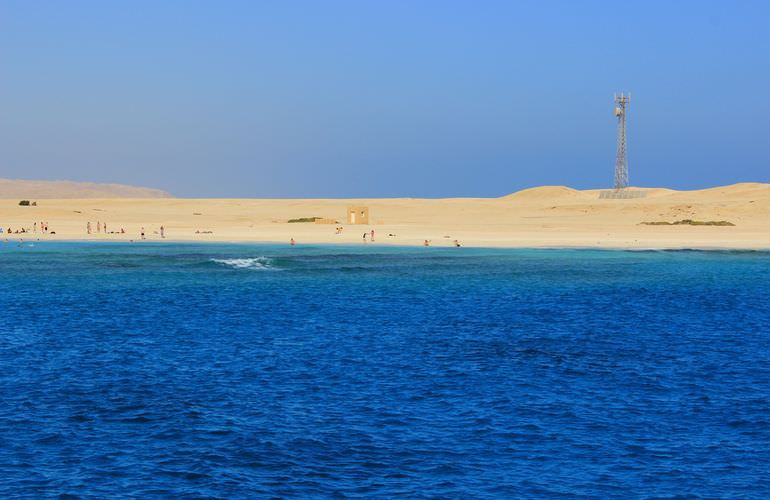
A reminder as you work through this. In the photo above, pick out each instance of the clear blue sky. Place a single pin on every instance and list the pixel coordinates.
(382, 98)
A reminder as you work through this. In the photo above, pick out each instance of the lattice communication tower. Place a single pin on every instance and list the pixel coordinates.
(621, 162)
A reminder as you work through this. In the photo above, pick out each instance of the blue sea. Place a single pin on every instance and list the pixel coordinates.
(252, 371)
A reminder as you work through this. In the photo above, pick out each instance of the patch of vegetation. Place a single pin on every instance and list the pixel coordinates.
(304, 219)
(26, 203)
(689, 222)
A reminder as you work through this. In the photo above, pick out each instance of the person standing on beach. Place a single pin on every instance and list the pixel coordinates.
(372, 239)
(98, 227)
(292, 242)
(162, 232)
(364, 237)
(143, 233)
(88, 227)
(105, 228)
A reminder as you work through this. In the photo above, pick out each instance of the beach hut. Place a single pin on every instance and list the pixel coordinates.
(358, 215)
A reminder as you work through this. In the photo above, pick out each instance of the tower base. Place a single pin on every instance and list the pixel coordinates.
(621, 194)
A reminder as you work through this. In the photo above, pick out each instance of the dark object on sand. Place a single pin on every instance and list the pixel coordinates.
(304, 219)
(689, 222)
(24, 203)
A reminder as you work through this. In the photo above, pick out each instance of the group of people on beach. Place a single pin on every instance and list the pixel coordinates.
(24, 230)
(370, 236)
(161, 231)
(101, 228)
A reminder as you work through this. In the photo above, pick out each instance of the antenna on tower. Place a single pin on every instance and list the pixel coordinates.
(621, 162)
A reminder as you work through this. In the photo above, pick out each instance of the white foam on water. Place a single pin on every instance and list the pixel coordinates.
(255, 263)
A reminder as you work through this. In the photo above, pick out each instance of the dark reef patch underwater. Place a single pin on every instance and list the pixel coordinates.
(228, 371)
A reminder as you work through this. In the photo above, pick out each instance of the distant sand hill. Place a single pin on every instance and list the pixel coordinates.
(13, 188)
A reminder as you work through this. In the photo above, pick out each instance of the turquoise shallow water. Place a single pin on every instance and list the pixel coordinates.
(224, 371)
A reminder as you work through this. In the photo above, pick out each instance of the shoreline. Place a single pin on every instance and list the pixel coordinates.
(393, 245)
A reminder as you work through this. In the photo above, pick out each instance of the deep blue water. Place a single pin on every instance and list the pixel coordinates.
(232, 371)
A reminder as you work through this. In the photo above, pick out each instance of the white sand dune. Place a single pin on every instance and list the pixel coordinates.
(743, 190)
(546, 193)
(548, 216)
(24, 189)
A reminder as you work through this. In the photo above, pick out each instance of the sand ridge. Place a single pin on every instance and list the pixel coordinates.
(26, 189)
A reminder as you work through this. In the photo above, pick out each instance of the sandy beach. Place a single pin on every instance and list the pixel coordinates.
(549, 216)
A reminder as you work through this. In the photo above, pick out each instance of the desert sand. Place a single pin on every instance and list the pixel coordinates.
(550, 216)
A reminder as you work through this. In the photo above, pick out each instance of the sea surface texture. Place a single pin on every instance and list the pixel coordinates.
(231, 371)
